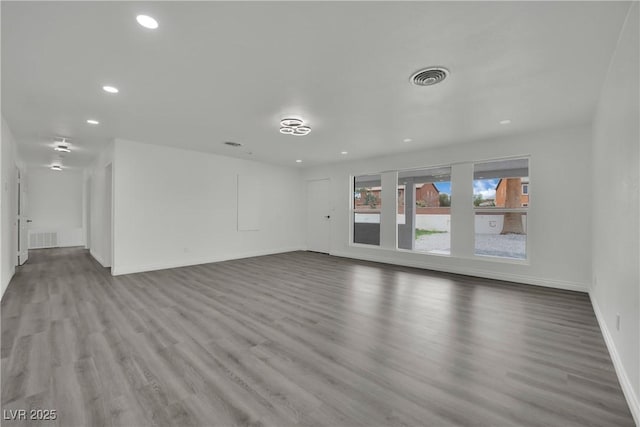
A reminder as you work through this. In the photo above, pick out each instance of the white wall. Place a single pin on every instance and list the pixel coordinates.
(99, 236)
(54, 203)
(616, 231)
(8, 206)
(559, 214)
(176, 207)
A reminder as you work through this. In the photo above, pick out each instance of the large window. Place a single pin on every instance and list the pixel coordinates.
(501, 201)
(424, 210)
(367, 191)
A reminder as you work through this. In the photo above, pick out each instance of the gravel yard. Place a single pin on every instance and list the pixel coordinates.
(507, 246)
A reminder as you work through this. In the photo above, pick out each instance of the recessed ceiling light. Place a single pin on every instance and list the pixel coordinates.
(505, 122)
(344, 152)
(93, 122)
(110, 89)
(407, 140)
(56, 168)
(298, 161)
(147, 22)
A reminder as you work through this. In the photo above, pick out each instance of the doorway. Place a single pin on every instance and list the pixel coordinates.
(22, 219)
(107, 230)
(318, 216)
(87, 202)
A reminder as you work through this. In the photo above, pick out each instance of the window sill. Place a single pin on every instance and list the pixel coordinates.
(409, 251)
(487, 258)
(501, 260)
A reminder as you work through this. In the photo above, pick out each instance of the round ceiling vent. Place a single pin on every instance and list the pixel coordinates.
(233, 144)
(429, 76)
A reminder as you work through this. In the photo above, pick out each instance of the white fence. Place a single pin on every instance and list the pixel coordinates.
(492, 224)
(484, 224)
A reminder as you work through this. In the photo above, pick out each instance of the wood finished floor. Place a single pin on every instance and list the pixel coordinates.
(299, 339)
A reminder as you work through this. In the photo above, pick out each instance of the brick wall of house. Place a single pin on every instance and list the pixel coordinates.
(501, 194)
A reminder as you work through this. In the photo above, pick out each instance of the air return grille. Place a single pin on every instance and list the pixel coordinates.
(39, 239)
(233, 144)
(429, 76)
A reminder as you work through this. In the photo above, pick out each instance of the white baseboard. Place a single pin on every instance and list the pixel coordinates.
(98, 258)
(116, 271)
(5, 285)
(476, 272)
(625, 383)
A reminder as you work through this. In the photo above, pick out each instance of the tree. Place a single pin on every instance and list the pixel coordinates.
(444, 199)
(512, 220)
(477, 200)
(370, 199)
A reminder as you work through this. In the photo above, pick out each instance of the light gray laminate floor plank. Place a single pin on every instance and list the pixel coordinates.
(299, 339)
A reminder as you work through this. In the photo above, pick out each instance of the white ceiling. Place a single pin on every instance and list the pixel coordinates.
(229, 71)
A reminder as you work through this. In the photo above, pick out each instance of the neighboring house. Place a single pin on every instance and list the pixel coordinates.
(427, 195)
(427, 200)
(361, 201)
(501, 192)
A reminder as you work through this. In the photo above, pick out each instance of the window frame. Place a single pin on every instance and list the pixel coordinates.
(524, 208)
(412, 187)
(352, 211)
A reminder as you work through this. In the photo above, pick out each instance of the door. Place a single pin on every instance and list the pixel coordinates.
(318, 216)
(88, 215)
(107, 230)
(23, 220)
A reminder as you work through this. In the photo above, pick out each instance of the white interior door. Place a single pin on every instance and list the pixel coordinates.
(318, 216)
(23, 220)
(108, 232)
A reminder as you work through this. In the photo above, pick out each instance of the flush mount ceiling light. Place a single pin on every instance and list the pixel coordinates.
(147, 22)
(110, 89)
(407, 140)
(62, 145)
(301, 130)
(344, 152)
(298, 161)
(56, 168)
(291, 123)
(294, 127)
(93, 122)
(62, 148)
(505, 122)
(429, 76)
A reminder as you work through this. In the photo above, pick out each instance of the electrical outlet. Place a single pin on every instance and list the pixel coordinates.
(618, 321)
